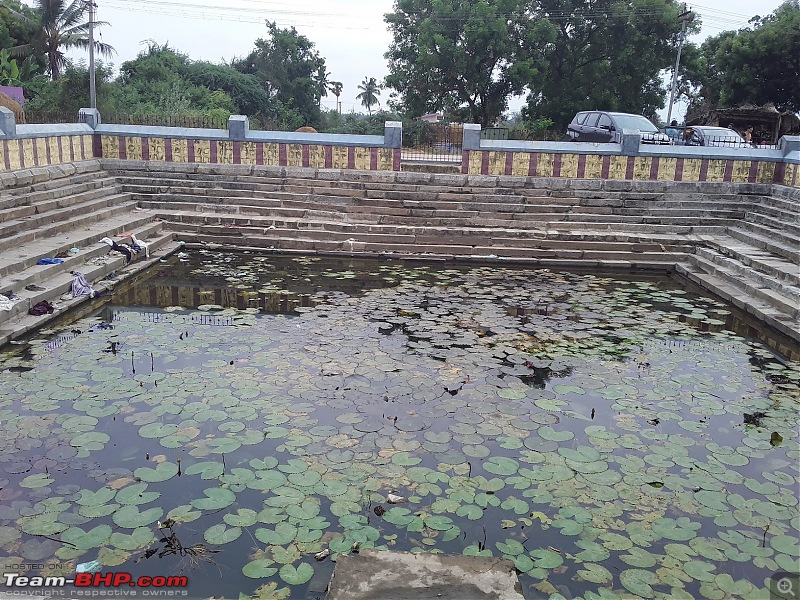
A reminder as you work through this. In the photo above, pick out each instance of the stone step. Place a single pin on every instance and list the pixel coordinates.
(70, 186)
(72, 224)
(745, 267)
(777, 202)
(774, 223)
(755, 258)
(46, 177)
(788, 216)
(81, 206)
(84, 192)
(739, 294)
(769, 240)
(58, 281)
(750, 283)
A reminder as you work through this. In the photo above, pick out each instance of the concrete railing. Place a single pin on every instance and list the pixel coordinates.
(631, 160)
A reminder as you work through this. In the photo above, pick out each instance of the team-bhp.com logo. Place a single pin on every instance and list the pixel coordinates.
(96, 580)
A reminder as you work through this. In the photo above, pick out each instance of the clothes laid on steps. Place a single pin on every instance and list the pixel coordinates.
(6, 303)
(81, 287)
(41, 308)
(140, 246)
(49, 261)
(123, 249)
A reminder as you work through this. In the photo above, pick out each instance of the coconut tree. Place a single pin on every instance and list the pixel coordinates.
(335, 88)
(370, 90)
(62, 25)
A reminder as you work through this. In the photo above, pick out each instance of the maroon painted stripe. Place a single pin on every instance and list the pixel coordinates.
(484, 163)
(83, 148)
(351, 157)
(329, 157)
(703, 170)
(212, 154)
(306, 155)
(557, 165)
(752, 176)
(168, 150)
(260, 153)
(21, 154)
(190, 151)
(237, 153)
(60, 149)
(373, 159)
(629, 167)
(605, 169)
(97, 146)
(465, 162)
(780, 174)
(47, 152)
(145, 148)
(728, 175)
(396, 155)
(654, 166)
(123, 148)
(533, 165)
(71, 149)
(679, 170)
(5, 155)
(581, 166)
(35, 153)
(509, 163)
(175, 300)
(282, 160)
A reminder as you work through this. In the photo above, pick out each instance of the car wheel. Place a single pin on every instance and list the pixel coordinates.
(567, 139)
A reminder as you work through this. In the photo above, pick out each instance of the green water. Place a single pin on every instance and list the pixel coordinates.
(610, 437)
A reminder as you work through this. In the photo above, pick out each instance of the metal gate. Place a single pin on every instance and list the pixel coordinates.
(433, 142)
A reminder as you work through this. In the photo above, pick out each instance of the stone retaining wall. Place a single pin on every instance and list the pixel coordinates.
(24, 153)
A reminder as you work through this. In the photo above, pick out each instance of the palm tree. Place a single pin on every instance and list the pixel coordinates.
(336, 89)
(321, 81)
(61, 26)
(370, 90)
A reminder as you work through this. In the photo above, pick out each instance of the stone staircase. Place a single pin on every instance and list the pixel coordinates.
(740, 241)
(64, 211)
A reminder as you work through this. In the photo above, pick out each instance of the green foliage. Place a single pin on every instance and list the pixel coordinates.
(290, 69)
(755, 65)
(13, 73)
(370, 90)
(58, 100)
(465, 57)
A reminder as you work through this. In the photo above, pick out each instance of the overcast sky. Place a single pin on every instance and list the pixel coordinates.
(350, 34)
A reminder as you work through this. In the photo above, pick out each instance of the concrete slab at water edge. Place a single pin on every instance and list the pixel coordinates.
(382, 575)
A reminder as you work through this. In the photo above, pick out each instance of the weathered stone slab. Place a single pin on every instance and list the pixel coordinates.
(380, 575)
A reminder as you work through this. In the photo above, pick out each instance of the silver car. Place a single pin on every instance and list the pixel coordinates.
(719, 137)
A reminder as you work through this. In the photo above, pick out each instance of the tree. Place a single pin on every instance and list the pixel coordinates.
(59, 27)
(462, 56)
(370, 90)
(335, 88)
(607, 57)
(288, 67)
(756, 65)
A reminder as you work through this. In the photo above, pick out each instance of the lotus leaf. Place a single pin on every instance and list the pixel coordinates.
(638, 581)
(595, 573)
(260, 569)
(130, 517)
(282, 534)
(546, 559)
(216, 498)
(221, 534)
(297, 576)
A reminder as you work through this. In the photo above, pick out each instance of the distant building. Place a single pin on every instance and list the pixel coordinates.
(432, 118)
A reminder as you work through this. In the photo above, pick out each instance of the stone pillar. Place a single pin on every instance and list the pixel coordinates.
(393, 134)
(631, 139)
(8, 123)
(472, 136)
(90, 116)
(789, 143)
(238, 127)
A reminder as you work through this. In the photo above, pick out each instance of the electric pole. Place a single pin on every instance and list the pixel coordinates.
(92, 85)
(685, 18)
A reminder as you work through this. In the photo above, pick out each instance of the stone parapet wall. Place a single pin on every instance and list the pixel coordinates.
(27, 152)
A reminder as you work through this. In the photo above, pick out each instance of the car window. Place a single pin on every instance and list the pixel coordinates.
(579, 118)
(605, 122)
(591, 119)
(634, 122)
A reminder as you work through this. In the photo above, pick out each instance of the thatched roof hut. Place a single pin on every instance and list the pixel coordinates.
(769, 123)
(14, 106)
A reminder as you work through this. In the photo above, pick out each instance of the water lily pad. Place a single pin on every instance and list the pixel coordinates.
(297, 576)
(216, 498)
(221, 534)
(130, 517)
(259, 569)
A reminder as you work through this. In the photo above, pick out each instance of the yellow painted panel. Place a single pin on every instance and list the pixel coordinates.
(339, 157)
(52, 143)
(41, 150)
(544, 165)
(741, 171)
(716, 170)
(202, 151)
(87, 147)
(363, 158)
(520, 164)
(594, 167)
(180, 150)
(2, 157)
(272, 154)
(666, 168)
(133, 147)
(691, 169)
(27, 150)
(109, 144)
(385, 159)
(641, 167)
(569, 165)
(618, 167)
(766, 172)
(294, 155)
(248, 153)
(497, 163)
(158, 150)
(316, 156)
(225, 152)
(475, 160)
(13, 155)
